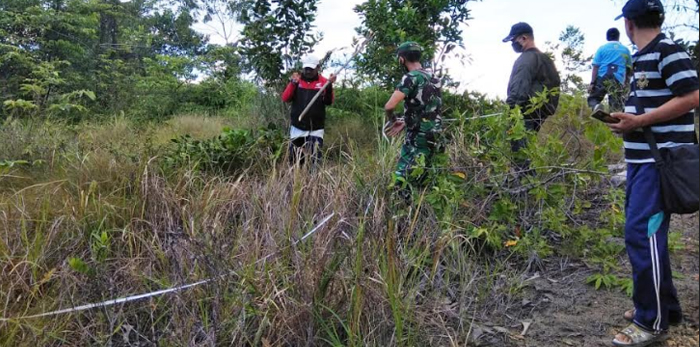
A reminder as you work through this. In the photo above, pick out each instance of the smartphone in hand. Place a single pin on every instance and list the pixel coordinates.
(604, 117)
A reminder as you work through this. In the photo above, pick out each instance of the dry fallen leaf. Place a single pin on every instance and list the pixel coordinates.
(526, 327)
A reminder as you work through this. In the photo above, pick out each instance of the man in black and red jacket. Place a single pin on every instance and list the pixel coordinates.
(307, 134)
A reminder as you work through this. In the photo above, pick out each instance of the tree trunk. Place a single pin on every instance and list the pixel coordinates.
(109, 29)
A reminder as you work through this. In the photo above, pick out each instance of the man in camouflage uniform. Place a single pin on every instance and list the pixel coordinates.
(421, 94)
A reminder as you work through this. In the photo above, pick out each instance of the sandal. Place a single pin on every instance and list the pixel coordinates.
(629, 316)
(638, 337)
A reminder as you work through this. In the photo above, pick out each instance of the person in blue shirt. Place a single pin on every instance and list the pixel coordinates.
(611, 73)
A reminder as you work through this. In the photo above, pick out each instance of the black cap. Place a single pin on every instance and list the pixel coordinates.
(637, 8)
(517, 30)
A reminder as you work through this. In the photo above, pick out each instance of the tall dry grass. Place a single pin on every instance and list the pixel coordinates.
(98, 216)
(106, 221)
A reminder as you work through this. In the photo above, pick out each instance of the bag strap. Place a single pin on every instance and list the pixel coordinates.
(648, 134)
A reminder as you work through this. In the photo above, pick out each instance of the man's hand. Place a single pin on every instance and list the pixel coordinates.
(396, 127)
(332, 78)
(590, 88)
(628, 122)
(295, 77)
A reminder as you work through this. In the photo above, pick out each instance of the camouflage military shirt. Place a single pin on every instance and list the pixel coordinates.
(423, 101)
(423, 120)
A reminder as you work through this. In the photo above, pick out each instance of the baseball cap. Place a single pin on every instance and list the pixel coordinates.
(310, 61)
(637, 8)
(517, 30)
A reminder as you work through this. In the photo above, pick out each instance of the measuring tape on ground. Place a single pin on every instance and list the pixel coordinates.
(136, 297)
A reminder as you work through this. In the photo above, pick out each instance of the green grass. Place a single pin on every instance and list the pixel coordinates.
(95, 214)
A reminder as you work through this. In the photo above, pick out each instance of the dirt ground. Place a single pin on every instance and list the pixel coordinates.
(562, 310)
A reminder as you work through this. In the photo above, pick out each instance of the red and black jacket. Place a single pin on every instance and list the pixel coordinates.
(300, 94)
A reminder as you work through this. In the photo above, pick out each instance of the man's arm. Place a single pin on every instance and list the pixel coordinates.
(673, 109)
(596, 68)
(594, 76)
(521, 80)
(288, 94)
(328, 95)
(393, 102)
(403, 89)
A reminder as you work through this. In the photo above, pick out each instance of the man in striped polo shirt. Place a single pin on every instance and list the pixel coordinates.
(666, 85)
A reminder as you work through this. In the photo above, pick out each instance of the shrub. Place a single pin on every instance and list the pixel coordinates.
(231, 152)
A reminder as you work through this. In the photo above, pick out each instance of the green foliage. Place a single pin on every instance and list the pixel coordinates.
(65, 58)
(100, 244)
(522, 213)
(675, 240)
(78, 265)
(609, 281)
(7, 165)
(570, 48)
(231, 152)
(160, 91)
(222, 63)
(276, 33)
(434, 24)
(19, 107)
(602, 281)
(41, 98)
(89, 190)
(224, 200)
(626, 285)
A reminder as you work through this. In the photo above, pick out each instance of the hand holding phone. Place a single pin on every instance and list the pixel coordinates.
(604, 117)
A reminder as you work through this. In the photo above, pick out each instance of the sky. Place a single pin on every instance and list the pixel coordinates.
(490, 61)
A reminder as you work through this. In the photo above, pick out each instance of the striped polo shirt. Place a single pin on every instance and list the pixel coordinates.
(662, 71)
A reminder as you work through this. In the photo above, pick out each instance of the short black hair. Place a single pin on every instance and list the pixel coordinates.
(613, 34)
(651, 20)
(411, 56)
(530, 36)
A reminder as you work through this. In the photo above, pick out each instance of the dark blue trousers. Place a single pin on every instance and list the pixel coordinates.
(646, 238)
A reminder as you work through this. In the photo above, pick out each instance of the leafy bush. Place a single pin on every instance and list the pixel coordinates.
(231, 152)
(212, 94)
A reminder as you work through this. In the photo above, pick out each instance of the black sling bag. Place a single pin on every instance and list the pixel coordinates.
(679, 171)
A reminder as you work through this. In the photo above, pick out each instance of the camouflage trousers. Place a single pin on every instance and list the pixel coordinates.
(416, 156)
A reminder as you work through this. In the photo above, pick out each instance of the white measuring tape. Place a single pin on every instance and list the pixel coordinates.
(159, 292)
(387, 124)
(384, 131)
(474, 118)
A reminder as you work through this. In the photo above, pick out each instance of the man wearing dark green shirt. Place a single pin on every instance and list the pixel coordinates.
(422, 97)
(533, 72)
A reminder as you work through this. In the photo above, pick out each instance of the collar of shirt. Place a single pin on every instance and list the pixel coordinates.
(651, 45)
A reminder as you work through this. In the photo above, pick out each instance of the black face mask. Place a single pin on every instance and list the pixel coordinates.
(309, 75)
(517, 47)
